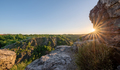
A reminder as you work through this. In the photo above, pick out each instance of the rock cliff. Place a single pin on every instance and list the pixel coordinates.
(7, 59)
(59, 59)
(105, 17)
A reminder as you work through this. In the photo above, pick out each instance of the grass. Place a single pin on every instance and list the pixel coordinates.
(20, 66)
(94, 56)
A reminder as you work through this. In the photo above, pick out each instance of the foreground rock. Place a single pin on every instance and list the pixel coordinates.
(105, 17)
(59, 59)
(7, 59)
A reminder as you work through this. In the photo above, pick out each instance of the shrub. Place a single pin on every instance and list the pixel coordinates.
(94, 56)
(20, 66)
(49, 43)
(80, 37)
(40, 51)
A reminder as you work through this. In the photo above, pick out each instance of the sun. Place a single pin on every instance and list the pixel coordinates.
(93, 30)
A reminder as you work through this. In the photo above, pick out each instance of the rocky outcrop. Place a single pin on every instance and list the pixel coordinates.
(7, 59)
(59, 59)
(105, 17)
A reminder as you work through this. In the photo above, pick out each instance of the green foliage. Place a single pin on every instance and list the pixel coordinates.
(1, 37)
(29, 44)
(40, 51)
(20, 66)
(18, 42)
(73, 37)
(62, 40)
(9, 39)
(49, 43)
(37, 53)
(23, 47)
(94, 56)
(80, 37)
(2, 43)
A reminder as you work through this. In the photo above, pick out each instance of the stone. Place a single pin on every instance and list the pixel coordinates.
(105, 17)
(59, 59)
(7, 59)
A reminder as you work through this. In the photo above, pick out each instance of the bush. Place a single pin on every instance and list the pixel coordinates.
(20, 66)
(94, 56)
(40, 51)
(2, 43)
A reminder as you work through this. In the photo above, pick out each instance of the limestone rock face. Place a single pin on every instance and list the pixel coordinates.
(105, 17)
(59, 59)
(7, 59)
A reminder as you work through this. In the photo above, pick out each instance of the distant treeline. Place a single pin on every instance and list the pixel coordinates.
(8, 39)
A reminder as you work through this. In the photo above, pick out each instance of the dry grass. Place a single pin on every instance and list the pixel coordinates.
(94, 56)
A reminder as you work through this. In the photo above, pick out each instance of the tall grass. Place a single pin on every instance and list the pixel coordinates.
(94, 56)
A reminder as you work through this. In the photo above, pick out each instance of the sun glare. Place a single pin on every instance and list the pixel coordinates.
(93, 30)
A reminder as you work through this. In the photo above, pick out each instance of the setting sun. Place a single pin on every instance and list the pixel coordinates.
(93, 30)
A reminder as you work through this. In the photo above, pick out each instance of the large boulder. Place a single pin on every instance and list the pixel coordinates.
(7, 59)
(59, 59)
(105, 17)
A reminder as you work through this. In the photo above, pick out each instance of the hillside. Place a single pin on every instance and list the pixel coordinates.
(25, 48)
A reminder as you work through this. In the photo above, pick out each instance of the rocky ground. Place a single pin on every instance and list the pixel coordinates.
(62, 58)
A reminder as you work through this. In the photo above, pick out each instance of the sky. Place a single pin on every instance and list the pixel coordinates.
(45, 16)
